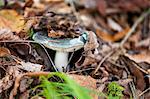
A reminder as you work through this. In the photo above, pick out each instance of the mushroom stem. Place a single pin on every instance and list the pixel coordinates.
(61, 60)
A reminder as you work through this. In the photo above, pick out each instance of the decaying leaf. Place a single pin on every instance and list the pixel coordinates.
(141, 57)
(12, 20)
(85, 81)
(120, 6)
(92, 42)
(30, 66)
(7, 81)
(4, 52)
(25, 95)
(91, 58)
(25, 83)
(140, 82)
(6, 34)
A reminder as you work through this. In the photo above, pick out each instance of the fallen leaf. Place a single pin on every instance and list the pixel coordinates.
(85, 81)
(30, 66)
(6, 34)
(12, 20)
(90, 59)
(112, 38)
(92, 42)
(140, 82)
(25, 95)
(7, 81)
(141, 57)
(4, 52)
(25, 83)
(122, 5)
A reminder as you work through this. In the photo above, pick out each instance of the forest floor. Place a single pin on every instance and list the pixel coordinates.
(113, 59)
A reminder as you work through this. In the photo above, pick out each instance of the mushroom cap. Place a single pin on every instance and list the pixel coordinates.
(63, 45)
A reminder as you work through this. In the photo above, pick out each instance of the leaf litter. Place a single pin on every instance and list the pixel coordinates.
(117, 48)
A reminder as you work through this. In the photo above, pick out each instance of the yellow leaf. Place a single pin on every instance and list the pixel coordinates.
(112, 38)
(12, 20)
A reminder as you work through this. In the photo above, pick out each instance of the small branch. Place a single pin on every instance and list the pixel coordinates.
(144, 92)
(101, 62)
(131, 31)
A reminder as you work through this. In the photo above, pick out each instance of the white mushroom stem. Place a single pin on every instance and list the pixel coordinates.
(61, 60)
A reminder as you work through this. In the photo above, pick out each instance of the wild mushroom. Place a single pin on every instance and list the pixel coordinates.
(61, 46)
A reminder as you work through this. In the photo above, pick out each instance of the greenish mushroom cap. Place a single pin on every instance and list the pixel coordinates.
(64, 45)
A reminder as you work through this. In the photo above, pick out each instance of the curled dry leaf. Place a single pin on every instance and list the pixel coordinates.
(6, 34)
(4, 52)
(12, 20)
(90, 45)
(92, 42)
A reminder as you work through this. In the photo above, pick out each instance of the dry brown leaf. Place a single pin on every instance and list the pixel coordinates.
(85, 81)
(112, 38)
(140, 82)
(121, 5)
(91, 44)
(7, 81)
(30, 66)
(91, 59)
(25, 95)
(6, 34)
(4, 52)
(12, 20)
(92, 41)
(142, 57)
(25, 83)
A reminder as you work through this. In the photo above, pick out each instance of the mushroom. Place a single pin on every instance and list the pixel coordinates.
(61, 46)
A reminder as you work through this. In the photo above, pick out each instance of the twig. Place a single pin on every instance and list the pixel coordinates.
(72, 72)
(139, 20)
(141, 69)
(144, 92)
(110, 53)
(18, 79)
